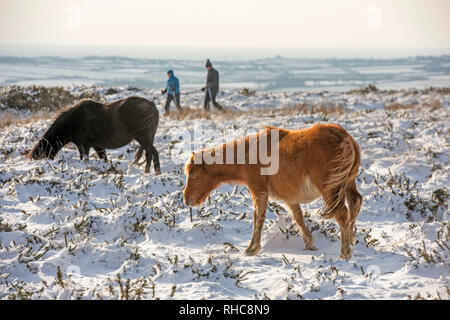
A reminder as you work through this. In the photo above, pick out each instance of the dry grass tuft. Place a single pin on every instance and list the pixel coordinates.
(432, 103)
(395, 106)
(8, 118)
(191, 113)
(305, 108)
(328, 109)
(298, 108)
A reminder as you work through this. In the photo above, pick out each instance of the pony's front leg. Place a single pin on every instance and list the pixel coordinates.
(101, 153)
(84, 152)
(259, 215)
(297, 215)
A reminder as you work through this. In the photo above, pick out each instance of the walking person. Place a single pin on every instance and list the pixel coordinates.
(173, 92)
(212, 87)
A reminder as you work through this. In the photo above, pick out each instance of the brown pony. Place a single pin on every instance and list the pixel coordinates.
(322, 160)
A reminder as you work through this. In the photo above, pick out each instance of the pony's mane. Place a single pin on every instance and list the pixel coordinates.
(59, 128)
(65, 116)
(59, 122)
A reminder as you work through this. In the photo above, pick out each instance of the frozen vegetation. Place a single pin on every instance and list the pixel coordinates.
(72, 229)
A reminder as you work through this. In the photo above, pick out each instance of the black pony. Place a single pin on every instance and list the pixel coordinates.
(103, 126)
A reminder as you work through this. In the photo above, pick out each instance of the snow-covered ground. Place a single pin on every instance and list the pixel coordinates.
(73, 229)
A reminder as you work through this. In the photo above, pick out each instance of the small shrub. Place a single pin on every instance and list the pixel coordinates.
(365, 90)
(247, 92)
(40, 98)
(111, 91)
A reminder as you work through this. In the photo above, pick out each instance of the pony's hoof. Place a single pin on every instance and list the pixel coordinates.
(252, 251)
(309, 244)
(347, 254)
(157, 172)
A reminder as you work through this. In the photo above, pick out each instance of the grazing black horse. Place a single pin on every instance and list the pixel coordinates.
(90, 124)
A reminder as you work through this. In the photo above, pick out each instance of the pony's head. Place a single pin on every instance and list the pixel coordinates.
(53, 139)
(44, 149)
(199, 182)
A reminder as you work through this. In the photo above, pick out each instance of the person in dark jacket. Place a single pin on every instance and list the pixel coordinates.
(212, 86)
(173, 91)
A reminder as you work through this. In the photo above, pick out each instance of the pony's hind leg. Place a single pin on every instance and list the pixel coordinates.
(336, 209)
(138, 156)
(148, 160)
(155, 156)
(342, 218)
(150, 154)
(297, 215)
(354, 201)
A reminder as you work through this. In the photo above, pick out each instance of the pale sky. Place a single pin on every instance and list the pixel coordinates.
(209, 23)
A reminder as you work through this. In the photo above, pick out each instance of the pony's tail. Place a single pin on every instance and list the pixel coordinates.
(343, 169)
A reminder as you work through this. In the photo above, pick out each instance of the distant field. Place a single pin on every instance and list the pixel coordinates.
(277, 73)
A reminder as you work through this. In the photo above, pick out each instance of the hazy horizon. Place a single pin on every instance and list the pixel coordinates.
(217, 53)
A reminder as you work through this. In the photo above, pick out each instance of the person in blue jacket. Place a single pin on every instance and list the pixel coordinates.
(173, 91)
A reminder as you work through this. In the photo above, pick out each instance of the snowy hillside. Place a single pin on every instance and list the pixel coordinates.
(276, 73)
(72, 229)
